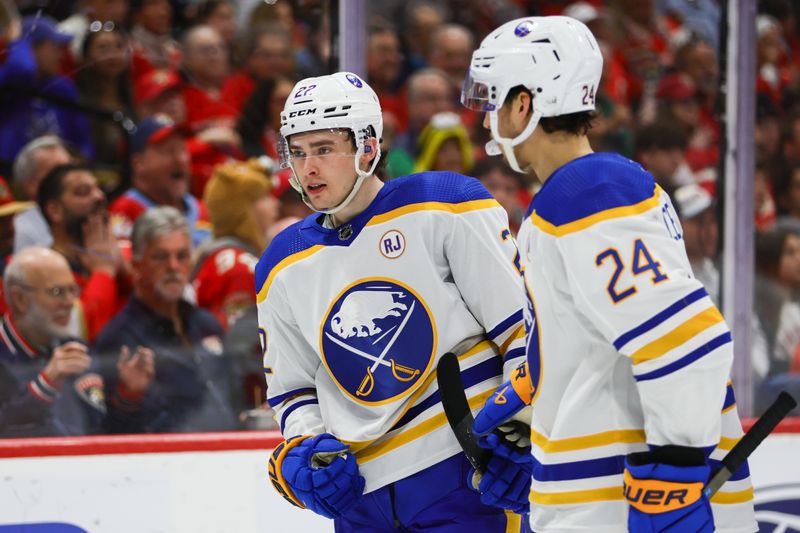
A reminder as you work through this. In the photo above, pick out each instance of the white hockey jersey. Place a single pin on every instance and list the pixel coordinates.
(625, 347)
(353, 320)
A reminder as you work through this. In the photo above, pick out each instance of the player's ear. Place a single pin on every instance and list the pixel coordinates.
(524, 103)
(370, 152)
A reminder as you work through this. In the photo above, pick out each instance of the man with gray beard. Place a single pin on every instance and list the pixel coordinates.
(48, 382)
(191, 391)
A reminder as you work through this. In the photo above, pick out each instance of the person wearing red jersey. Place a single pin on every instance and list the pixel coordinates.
(75, 209)
(160, 177)
(241, 210)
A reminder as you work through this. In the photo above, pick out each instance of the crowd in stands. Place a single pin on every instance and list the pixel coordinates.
(138, 141)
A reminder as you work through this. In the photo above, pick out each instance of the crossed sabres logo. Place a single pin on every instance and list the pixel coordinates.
(378, 340)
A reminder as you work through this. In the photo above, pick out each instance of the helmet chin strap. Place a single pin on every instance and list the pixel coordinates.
(361, 175)
(505, 145)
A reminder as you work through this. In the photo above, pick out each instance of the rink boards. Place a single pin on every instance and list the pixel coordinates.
(217, 483)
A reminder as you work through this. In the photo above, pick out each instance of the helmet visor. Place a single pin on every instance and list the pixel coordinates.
(299, 149)
(475, 95)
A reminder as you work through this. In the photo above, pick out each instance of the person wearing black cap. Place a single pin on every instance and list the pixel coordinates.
(161, 175)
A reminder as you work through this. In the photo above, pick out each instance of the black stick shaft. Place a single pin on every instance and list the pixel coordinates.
(739, 453)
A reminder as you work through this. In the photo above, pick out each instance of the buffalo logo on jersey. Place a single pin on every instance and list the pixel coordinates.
(378, 340)
(778, 507)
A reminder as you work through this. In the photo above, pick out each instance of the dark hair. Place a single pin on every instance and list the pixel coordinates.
(52, 185)
(85, 78)
(573, 123)
(380, 168)
(783, 184)
(660, 135)
(256, 114)
(487, 165)
(769, 249)
(207, 8)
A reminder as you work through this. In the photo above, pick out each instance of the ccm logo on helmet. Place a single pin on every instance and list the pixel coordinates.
(302, 112)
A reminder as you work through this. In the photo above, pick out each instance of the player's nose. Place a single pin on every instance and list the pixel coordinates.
(486, 123)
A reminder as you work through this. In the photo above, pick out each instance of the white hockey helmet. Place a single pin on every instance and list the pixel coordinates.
(340, 101)
(556, 58)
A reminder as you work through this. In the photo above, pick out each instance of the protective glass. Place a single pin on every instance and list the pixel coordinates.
(476, 95)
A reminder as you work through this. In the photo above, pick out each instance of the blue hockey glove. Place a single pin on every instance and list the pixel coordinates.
(664, 488)
(506, 481)
(508, 400)
(317, 473)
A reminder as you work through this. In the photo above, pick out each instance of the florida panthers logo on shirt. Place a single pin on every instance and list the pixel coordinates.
(378, 340)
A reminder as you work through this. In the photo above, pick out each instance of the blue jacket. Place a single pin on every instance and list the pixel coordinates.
(24, 118)
(191, 388)
(31, 405)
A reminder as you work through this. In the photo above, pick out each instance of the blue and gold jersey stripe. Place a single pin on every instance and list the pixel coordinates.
(659, 318)
(456, 208)
(689, 329)
(596, 218)
(285, 262)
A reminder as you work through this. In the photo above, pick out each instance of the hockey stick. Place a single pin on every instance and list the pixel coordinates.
(457, 411)
(750, 441)
(459, 415)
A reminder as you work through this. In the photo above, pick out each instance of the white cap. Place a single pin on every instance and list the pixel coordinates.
(691, 200)
(583, 11)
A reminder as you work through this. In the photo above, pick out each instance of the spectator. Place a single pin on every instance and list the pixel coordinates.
(444, 145)
(9, 210)
(383, 70)
(787, 191)
(777, 310)
(420, 21)
(33, 68)
(160, 165)
(190, 391)
(313, 59)
(160, 92)
(266, 53)
(99, 11)
(241, 210)
(33, 163)
(791, 143)
(153, 45)
(50, 384)
(505, 186)
(695, 209)
(260, 119)
(429, 92)
(219, 15)
(75, 209)
(763, 199)
(450, 51)
(660, 147)
(208, 116)
(206, 65)
(103, 80)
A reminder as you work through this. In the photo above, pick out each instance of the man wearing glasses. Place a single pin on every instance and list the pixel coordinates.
(48, 385)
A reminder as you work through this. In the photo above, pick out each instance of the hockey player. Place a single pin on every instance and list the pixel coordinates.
(356, 305)
(627, 357)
